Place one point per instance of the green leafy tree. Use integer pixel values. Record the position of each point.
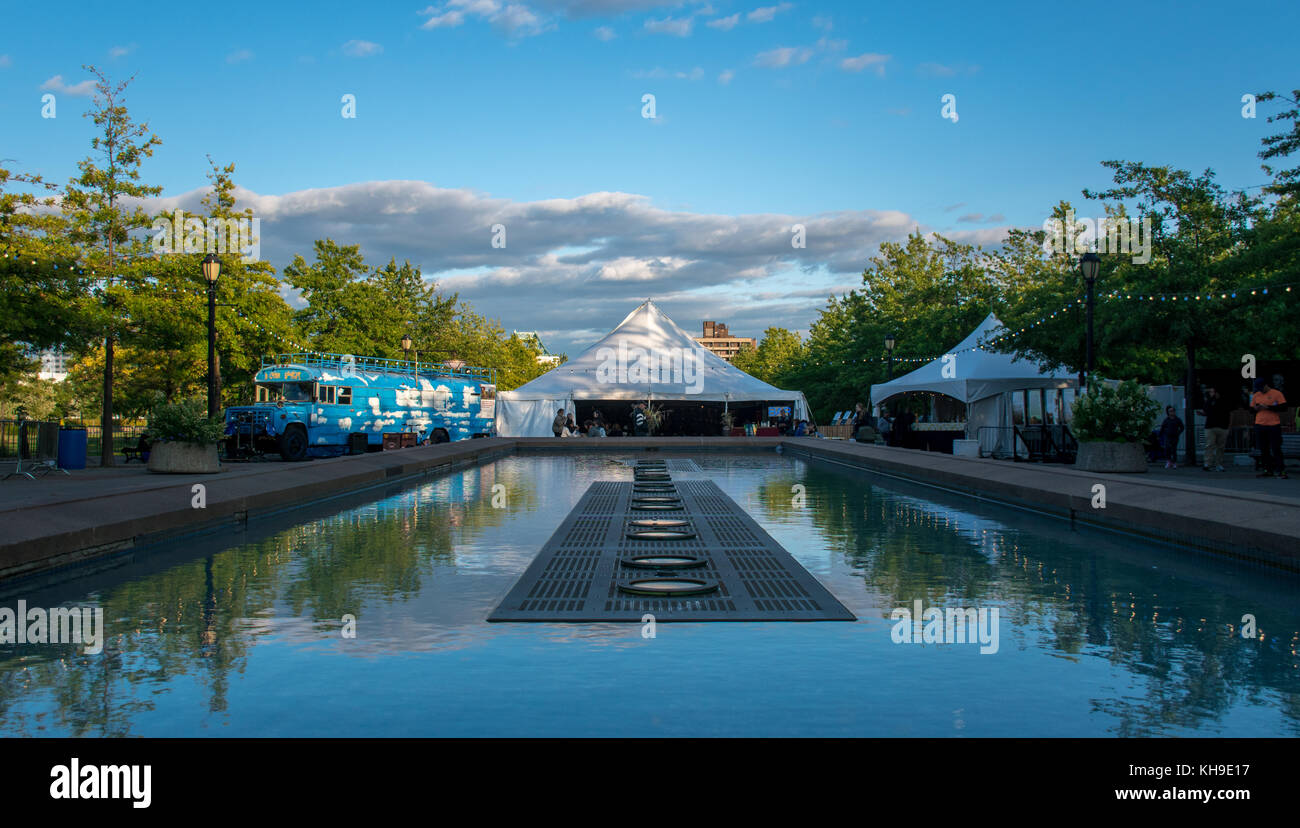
(777, 356)
(928, 291)
(39, 284)
(101, 220)
(1196, 229)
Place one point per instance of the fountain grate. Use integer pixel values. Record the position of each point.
(577, 575)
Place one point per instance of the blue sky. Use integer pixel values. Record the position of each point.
(768, 114)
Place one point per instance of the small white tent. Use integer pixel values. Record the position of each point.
(647, 357)
(981, 378)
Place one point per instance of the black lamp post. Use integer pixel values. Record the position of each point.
(406, 347)
(211, 270)
(890, 341)
(1089, 264)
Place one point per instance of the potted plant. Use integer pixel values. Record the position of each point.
(654, 415)
(184, 438)
(1110, 424)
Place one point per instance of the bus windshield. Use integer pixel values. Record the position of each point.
(286, 391)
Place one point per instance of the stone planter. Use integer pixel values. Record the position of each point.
(183, 458)
(1124, 458)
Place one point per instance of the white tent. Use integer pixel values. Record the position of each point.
(981, 378)
(647, 357)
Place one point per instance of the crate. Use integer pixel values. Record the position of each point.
(392, 442)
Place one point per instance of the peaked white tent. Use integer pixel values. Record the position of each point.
(647, 357)
(979, 377)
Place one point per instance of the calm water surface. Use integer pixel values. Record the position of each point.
(241, 634)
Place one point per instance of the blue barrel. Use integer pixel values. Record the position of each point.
(72, 448)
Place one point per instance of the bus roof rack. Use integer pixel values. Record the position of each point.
(389, 366)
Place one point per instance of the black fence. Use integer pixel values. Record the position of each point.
(123, 435)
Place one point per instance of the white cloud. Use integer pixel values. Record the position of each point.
(822, 22)
(869, 60)
(239, 56)
(55, 84)
(121, 51)
(678, 28)
(609, 246)
(574, 9)
(784, 56)
(605, 33)
(766, 13)
(512, 19)
(726, 76)
(726, 24)
(361, 48)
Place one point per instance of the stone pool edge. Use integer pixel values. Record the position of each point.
(1257, 528)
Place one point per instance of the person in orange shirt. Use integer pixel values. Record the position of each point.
(1267, 403)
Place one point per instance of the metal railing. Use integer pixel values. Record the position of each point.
(1032, 443)
(123, 436)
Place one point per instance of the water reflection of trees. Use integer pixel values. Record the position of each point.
(1179, 634)
(197, 620)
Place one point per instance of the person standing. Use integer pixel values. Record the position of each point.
(1268, 403)
(859, 418)
(1218, 415)
(557, 425)
(640, 422)
(902, 429)
(1169, 431)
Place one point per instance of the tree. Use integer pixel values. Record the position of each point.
(39, 283)
(928, 291)
(1196, 228)
(777, 355)
(102, 223)
(1286, 182)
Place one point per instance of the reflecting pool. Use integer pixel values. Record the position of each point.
(245, 634)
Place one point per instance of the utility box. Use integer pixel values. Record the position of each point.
(72, 448)
(392, 442)
(358, 443)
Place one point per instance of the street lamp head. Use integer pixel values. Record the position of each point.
(1089, 264)
(406, 342)
(211, 268)
(889, 342)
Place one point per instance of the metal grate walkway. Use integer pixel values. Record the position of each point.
(578, 573)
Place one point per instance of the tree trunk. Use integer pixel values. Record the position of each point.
(106, 456)
(1189, 406)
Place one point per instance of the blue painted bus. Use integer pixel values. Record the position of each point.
(312, 405)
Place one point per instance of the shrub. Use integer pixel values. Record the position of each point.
(186, 422)
(1114, 415)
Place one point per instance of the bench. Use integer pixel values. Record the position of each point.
(140, 451)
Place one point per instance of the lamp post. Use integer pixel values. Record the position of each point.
(1089, 264)
(406, 347)
(211, 270)
(890, 341)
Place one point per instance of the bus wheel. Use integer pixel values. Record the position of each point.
(440, 436)
(293, 443)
